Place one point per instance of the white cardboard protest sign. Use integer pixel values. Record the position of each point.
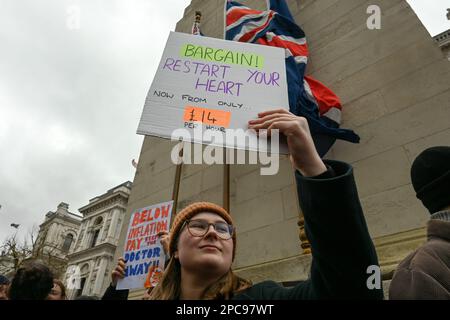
(143, 252)
(216, 84)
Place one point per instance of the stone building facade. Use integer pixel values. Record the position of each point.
(52, 243)
(92, 258)
(394, 84)
(56, 238)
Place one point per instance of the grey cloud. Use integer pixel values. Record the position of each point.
(71, 100)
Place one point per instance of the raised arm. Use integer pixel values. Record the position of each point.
(342, 249)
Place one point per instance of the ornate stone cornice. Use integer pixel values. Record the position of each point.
(118, 198)
(443, 39)
(92, 251)
(56, 217)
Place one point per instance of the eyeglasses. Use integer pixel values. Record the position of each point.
(198, 228)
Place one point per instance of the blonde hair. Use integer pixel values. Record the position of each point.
(169, 288)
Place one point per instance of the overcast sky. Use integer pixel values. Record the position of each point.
(71, 99)
(432, 13)
(72, 92)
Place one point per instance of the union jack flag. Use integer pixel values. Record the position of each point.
(307, 97)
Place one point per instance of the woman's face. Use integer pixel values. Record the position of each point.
(56, 293)
(205, 254)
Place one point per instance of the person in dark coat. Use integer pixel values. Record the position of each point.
(425, 273)
(203, 236)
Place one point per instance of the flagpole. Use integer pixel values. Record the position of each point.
(226, 181)
(226, 165)
(277, 6)
(177, 179)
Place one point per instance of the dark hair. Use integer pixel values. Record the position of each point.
(4, 280)
(32, 282)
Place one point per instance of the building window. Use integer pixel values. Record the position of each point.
(67, 242)
(97, 227)
(80, 290)
(94, 238)
(98, 221)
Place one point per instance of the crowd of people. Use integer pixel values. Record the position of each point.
(34, 281)
(201, 244)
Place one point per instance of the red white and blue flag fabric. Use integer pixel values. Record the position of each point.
(307, 97)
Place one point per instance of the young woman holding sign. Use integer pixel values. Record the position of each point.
(202, 242)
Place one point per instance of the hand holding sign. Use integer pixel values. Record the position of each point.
(164, 240)
(143, 252)
(304, 156)
(118, 272)
(213, 86)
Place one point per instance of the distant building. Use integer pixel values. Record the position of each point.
(91, 259)
(443, 40)
(56, 238)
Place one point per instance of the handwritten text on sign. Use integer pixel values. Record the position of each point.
(208, 116)
(215, 83)
(142, 250)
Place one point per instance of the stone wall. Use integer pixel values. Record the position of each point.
(394, 84)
